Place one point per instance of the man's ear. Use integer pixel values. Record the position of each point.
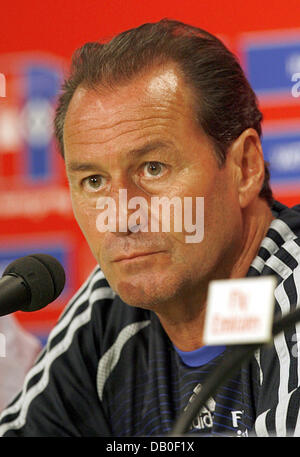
(247, 159)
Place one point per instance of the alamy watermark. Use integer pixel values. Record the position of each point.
(115, 218)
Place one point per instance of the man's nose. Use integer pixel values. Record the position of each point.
(132, 210)
(129, 208)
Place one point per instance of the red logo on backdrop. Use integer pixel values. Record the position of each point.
(28, 153)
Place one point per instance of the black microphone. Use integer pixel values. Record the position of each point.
(238, 355)
(30, 283)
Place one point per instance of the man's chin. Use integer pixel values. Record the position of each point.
(143, 296)
(149, 289)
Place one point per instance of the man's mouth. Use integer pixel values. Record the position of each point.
(135, 255)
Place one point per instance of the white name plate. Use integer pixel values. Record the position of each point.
(240, 311)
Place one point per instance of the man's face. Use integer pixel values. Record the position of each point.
(143, 138)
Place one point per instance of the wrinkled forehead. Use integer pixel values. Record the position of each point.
(154, 107)
(160, 87)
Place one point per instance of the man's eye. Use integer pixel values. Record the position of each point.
(93, 183)
(153, 169)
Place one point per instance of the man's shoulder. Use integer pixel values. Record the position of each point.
(285, 232)
(279, 252)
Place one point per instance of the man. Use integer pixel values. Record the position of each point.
(163, 110)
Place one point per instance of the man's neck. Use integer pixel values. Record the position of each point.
(257, 220)
(186, 331)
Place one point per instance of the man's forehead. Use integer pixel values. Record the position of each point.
(158, 86)
(155, 106)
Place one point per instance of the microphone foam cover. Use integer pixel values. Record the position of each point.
(43, 275)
